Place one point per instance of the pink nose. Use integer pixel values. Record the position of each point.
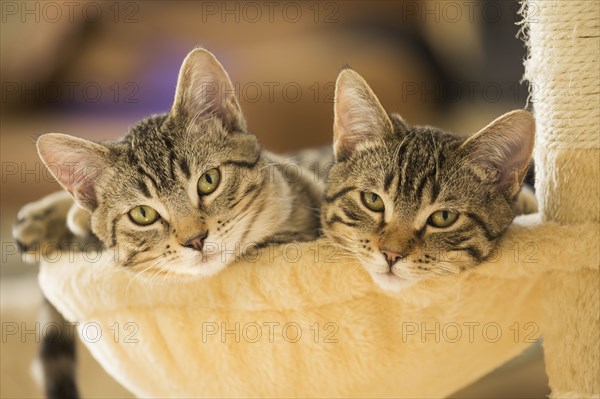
(196, 242)
(392, 257)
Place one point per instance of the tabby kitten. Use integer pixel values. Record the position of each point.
(184, 193)
(416, 202)
(181, 193)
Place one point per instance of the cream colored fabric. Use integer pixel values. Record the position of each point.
(379, 348)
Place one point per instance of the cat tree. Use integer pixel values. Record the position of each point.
(563, 68)
(286, 325)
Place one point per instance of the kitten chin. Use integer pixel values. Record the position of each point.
(391, 282)
(197, 266)
(203, 265)
(183, 266)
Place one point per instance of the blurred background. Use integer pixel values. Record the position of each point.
(92, 69)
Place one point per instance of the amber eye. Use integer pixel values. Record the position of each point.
(442, 218)
(209, 182)
(143, 215)
(372, 201)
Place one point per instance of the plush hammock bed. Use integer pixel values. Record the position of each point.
(311, 326)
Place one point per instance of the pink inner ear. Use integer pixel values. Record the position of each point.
(204, 89)
(359, 117)
(83, 179)
(506, 145)
(510, 173)
(515, 164)
(76, 164)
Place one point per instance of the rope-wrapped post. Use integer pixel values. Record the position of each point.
(563, 70)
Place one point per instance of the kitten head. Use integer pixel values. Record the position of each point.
(183, 192)
(415, 202)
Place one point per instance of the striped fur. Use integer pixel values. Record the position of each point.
(417, 170)
(158, 164)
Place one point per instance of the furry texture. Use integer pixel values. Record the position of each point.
(378, 352)
(393, 187)
(160, 166)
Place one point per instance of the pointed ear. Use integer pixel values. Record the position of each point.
(204, 89)
(76, 164)
(503, 149)
(359, 117)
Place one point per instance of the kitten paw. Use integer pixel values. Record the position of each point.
(526, 202)
(42, 225)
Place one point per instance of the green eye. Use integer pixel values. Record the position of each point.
(209, 182)
(442, 218)
(372, 201)
(143, 215)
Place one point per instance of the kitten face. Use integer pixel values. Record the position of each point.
(182, 193)
(164, 175)
(412, 203)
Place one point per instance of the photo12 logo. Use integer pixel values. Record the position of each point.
(325, 12)
(70, 92)
(70, 11)
(468, 331)
(269, 332)
(89, 332)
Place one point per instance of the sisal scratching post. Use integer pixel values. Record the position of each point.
(563, 69)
